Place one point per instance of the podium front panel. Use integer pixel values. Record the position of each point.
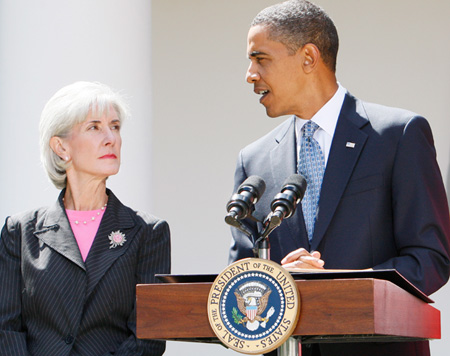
(330, 310)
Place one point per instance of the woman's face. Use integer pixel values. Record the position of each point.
(93, 146)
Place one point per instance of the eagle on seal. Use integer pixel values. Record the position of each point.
(252, 307)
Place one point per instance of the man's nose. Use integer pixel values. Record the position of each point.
(252, 75)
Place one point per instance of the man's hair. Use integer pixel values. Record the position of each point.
(296, 23)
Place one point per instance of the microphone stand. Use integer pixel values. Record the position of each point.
(282, 207)
(262, 249)
(262, 245)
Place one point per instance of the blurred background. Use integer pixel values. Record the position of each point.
(181, 64)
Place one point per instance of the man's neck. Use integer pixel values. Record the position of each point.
(318, 95)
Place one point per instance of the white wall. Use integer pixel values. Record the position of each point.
(191, 106)
(47, 44)
(392, 52)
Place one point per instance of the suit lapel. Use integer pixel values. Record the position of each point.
(117, 219)
(348, 142)
(283, 157)
(55, 231)
(284, 163)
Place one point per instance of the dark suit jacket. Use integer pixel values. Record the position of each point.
(53, 303)
(382, 203)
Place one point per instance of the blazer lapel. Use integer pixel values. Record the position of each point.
(348, 142)
(284, 163)
(116, 220)
(55, 231)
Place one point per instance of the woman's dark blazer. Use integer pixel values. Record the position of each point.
(53, 303)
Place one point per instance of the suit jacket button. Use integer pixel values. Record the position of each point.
(69, 339)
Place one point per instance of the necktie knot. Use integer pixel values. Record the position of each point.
(309, 129)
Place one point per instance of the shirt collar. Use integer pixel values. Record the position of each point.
(328, 114)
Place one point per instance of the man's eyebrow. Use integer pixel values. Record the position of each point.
(255, 54)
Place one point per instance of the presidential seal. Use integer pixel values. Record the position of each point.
(253, 306)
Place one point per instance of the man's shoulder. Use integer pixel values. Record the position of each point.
(384, 116)
(272, 138)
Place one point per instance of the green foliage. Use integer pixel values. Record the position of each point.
(236, 316)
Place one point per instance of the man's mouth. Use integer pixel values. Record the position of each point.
(263, 94)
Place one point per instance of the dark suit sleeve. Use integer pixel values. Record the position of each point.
(12, 333)
(420, 211)
(154, 258)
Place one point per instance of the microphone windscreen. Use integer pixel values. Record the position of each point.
(257, 183)
(298, 181)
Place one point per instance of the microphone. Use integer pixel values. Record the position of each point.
(292, 192)
(242, 203)
(285, 203)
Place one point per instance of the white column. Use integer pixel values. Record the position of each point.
(47, 44)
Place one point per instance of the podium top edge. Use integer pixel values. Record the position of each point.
(390, 275)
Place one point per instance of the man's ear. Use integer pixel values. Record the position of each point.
(57, 145)
(310, 55)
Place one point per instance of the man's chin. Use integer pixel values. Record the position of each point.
(272, 114)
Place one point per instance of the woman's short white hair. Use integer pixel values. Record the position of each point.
(68, 107)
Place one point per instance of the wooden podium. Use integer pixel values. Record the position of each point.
(332, 310)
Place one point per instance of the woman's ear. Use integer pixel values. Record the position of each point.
(57, 145)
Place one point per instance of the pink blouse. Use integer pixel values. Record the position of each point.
(84, 225)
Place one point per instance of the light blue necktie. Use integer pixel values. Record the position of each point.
(312, 166)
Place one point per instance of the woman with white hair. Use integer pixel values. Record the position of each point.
(68, 272)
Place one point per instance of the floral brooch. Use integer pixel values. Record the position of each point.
(116, 238)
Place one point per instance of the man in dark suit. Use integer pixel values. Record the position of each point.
(382, 203)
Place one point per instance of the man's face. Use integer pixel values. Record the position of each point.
(274, 73)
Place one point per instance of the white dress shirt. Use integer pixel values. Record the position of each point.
(326, 118)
